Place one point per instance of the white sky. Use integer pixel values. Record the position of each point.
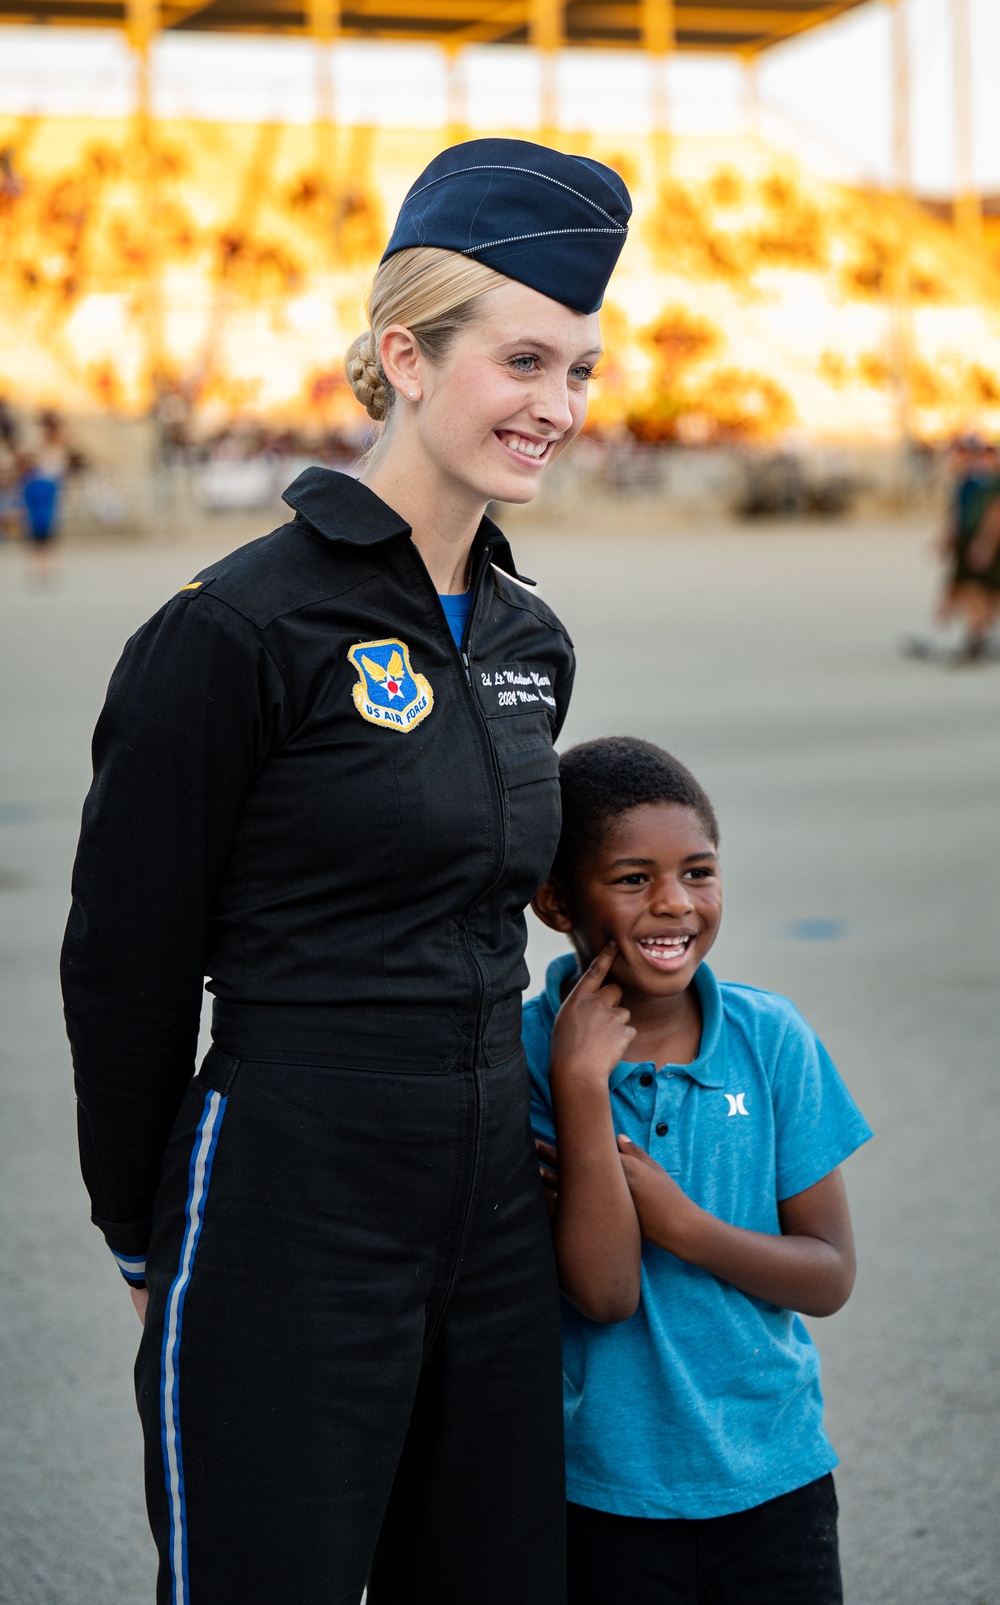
(830, 93)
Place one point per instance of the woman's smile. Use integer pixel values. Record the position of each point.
(531, 451)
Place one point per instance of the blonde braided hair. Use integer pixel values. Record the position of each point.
(365, 376)
(429, 291)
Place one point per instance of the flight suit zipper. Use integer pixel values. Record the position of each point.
(477, 589)
(477, 1052)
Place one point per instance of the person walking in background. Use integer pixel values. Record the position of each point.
(691, 1132)
(966, 609)
(325, 778)
(982, 568)
(44, 468)
(11, 500)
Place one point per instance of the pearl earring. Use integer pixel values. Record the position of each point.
(411, 394)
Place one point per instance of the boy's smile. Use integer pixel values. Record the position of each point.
(654, 887)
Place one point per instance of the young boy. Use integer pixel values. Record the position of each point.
(690, 1132)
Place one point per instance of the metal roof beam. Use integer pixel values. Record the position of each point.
(697, 24)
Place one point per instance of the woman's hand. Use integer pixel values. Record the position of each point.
(140, 1298)
(548, 1165)
(592, 1030)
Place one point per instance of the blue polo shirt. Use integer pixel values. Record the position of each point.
(707, 1401)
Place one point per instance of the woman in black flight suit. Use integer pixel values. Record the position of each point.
(332, 792)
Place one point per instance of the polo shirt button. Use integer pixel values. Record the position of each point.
(662, 1129)
(645, 1080)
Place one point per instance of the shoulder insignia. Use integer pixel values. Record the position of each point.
(195, 585)
(387, 691)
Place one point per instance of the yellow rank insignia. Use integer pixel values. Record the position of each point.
(388, 692)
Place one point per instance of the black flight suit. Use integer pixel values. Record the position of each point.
(303, 790)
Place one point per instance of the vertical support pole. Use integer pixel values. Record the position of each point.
(968, 208)
(901, 317)
(455, 94)
(659, 39)
(324, 25)
(545, 31)
(902, 144)
(142, 21)
(751, 95)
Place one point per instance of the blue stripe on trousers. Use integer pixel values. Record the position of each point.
(199, 1176)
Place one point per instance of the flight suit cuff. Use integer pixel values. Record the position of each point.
(127, 1241)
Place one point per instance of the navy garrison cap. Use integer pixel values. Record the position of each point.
(556, 223)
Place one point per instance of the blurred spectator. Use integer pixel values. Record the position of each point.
(11, 506)
(982, 567)
(172, 411)
(246, 468)
(8, 428)
(44, 467)
(967, 608)
(11, 185)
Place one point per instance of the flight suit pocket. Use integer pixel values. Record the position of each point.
(218, 1071)
(524, 762)
(529, 766)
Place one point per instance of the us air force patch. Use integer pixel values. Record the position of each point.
(388, 692)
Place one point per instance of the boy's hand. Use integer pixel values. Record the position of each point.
(592, 1030)
(808, 1267)
(665, 1212)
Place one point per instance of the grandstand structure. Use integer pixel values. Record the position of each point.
(657, 29)
(746, 26)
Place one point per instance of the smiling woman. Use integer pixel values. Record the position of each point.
(325, 778)
(480, 396)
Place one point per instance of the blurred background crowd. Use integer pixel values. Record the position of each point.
(806, 315)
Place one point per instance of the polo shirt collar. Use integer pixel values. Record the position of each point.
(709, 1067)
(342, 509)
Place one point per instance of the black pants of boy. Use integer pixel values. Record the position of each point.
(783, 1552)
(350, 1370)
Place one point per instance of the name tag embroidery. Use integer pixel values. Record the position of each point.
(517, 687)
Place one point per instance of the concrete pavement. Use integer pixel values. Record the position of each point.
(859, 797)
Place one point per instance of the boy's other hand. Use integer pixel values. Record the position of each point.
(664, 1210)
(592, 1030)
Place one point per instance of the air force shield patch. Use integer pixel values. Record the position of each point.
(388, 692)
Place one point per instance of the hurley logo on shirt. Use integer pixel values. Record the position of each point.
(388, 692)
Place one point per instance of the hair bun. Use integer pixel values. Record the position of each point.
(365, 376)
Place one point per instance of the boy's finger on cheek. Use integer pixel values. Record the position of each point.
(601, 964)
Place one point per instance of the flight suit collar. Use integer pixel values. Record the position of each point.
(343, 509)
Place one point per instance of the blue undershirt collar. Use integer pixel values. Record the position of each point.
(456, 611)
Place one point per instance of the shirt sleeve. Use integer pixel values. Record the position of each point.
(192, 710)
(564, 689)
(817, 1123)
(536, 1051)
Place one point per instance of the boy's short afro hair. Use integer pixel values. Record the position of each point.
(601, 780)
